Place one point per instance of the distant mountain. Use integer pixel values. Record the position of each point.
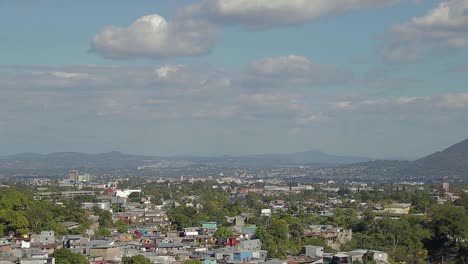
(311, 157)
(118, 160)
(452, 161)
(74, 160)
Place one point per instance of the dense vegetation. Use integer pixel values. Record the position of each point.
(438, 231)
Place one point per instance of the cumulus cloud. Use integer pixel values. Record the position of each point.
(195, 29)
(442, 30)
(261, 14)
(152, 36)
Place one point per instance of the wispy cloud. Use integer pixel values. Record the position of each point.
(264, 14)
(443, 30)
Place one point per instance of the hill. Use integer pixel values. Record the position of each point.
(450, 161)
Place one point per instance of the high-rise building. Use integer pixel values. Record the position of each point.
(445, 185)
(73, 175)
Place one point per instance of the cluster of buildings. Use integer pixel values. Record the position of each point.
(165, 249)
(150, 231)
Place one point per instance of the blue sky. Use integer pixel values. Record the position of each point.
(356, 77)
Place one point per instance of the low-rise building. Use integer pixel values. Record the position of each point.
(398, 208)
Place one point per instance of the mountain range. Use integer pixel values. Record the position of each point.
(120, 160)
(450, 161)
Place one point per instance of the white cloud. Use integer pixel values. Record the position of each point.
(419, 105)
(166, 71)
(166, 104)
(194, 31)
(342, 105)
(454, 101)
(293, 71)
(260, 14)
(442, 30)
(152, 36)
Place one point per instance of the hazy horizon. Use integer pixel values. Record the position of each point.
(217, 154)
(364, 78)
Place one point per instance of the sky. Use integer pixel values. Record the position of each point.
(380, 79)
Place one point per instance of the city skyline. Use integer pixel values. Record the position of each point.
(232, 77)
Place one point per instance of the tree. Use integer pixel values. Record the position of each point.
(192, 261)
(296, 230)
(138, 259)
(223, 232)
(39, 216)
(268, 242)
(183, 216)
(105, 217)
(449, 222)
(65, 256)
(368, 258)
(121, 226)
(102, 232)
(279, 229)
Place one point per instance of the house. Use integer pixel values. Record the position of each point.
(107, 252)
(209, 227)
(210, 261)
(312, 251)
(73, 242)
(242, 255)
(335, 236)
(228, 242)
(355, 256)
(5, 245)
(169, 247)
(46, 237)
(224, 254)
(398, 208)
(191, 232)
(159, 259)
(71, 225)
(252, 245)
(45, 260)
(102, 206)
(125, 237)
(325, 213)
(340, 258)
(25, 243)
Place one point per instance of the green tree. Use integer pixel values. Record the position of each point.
(105, 217)
(102, 232)
(39, 216)
(368, 258)
(296, 231)
(138, 259)
(223, 232)
(192, 261)
(279, 229)
(449, 222)
(121, 226)
(65, 256)
(268, 242)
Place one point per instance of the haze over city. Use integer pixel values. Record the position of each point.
(355, 77)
